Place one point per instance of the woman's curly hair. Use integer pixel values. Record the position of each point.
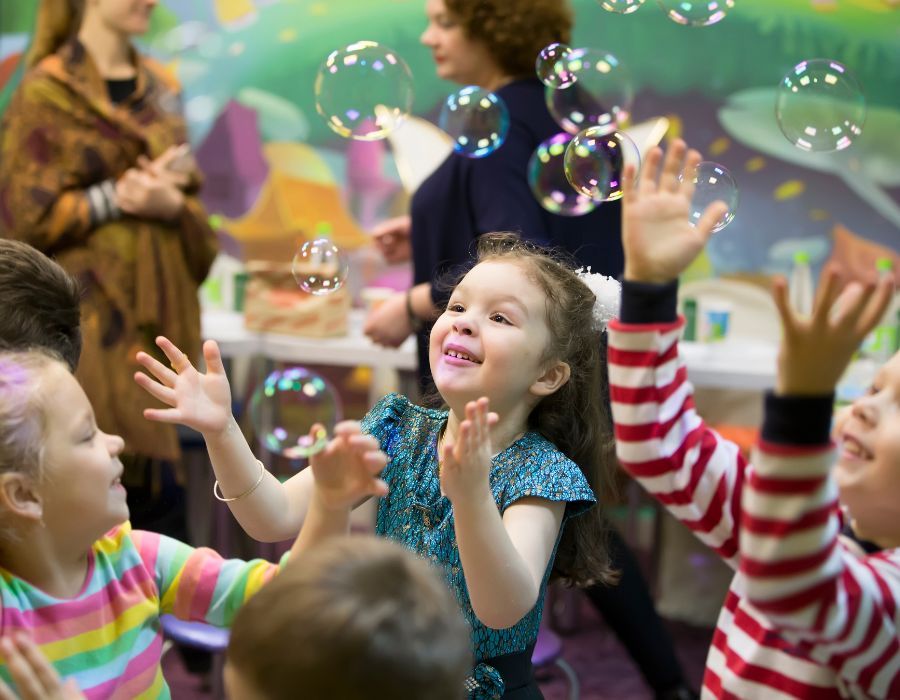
(514, 31)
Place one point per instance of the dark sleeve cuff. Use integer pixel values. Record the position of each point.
(645, 302)
(798, 420)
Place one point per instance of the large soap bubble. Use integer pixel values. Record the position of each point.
(713, 182)
(595, 161)
(285, 407)
(697, 13)
(552, 67)
(363, 91)
(547, 178)
(820, 107)
(319, 267)
(476, 119)
(601, 94)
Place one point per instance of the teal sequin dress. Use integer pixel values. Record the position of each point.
(416, 514)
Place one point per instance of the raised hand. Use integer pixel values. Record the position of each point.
(391, 238)
(33, 675)
(466, 464)
(657, 235)
(346, 471)
(816, 350)
(199, 401)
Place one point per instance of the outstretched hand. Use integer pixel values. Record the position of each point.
(657, 235)
(346, 471)
(199, 401)
(816, 350)
(466, 464)
(33, 675)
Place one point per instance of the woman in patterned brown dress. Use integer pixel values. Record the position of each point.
(93, 172)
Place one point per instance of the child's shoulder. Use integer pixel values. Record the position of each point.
(396, 408)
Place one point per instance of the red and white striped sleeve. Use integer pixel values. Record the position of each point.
(834, 602)
(663, 442)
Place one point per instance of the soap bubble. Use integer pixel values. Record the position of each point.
(820, 107)
(595, 161)
(600, 96)
(622, 7)
(319, 267)
(713, 183)
(284, 408)
(363, 91)
(547, 178)
(477, 121)
(552, 67)
(697, 13)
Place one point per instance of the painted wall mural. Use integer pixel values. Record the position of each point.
(248, 68)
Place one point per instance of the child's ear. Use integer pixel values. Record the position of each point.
(19, 495)
(552, 379)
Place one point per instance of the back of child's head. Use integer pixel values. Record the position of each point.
(40, 303)
(24, 391)
(357, 617)
(577, 416)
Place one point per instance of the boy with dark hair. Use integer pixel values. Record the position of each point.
(40, 303)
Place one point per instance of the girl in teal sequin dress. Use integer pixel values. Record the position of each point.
(497, 489)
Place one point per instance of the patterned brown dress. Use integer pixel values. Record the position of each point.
(60, 136)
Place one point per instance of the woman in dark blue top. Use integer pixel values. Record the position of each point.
(494, 44)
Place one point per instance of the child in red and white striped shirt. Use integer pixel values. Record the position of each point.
(808, 615)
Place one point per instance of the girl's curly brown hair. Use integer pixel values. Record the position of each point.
(514, 31)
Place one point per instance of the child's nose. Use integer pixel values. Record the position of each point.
(464, 325)
(427, 38)
(115, 445)
(865, 410)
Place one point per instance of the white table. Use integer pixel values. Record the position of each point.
(352, 350)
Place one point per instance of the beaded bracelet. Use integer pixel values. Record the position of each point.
(217, 492)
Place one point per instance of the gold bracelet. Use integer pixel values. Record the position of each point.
(217, 492)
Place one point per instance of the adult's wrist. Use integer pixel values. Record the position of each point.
(414, 321)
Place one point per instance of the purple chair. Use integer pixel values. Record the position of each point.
(547, 653)
(199, 635)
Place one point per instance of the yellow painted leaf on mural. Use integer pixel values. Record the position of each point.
(755, 164)
(700, 269)
(234, 12)
(789, 190)
(719, 146)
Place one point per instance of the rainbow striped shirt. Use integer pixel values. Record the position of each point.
(108, 636)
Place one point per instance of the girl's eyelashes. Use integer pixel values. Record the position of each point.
(500, 318)
(455, 306)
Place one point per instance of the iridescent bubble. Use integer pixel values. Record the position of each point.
(547, 178)
(363, 91)
(319, 267)
(600, 96)
(622, 7)
(477, 121)
(820, 107)
(284, 408)
(596, 159)
(552, 68)
(696, 13)
(713, 183)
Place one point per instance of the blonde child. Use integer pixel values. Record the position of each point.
(808, 615)
(74, 576)
(485, 494)
(360, 618)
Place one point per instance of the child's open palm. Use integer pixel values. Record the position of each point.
(657, 235)
(816, 350)
(466, 464)
(346, 471)
(199, 401)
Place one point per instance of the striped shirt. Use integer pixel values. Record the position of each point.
(108, 636)
(807, 615)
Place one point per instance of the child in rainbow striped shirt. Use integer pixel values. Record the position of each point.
(75, 577)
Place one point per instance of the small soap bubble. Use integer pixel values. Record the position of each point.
(601, 94)
(713, 183)
(595, 161)
(285, 407)
(622, 7)
(363, 91)
(547, 178)
(552, 67)
(476, 119)
(696, 13)
(819, 106)
(319, 267)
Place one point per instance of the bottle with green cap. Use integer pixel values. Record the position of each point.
(800, 285)
(882, 342)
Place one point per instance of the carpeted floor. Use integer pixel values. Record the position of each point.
(604, 669)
